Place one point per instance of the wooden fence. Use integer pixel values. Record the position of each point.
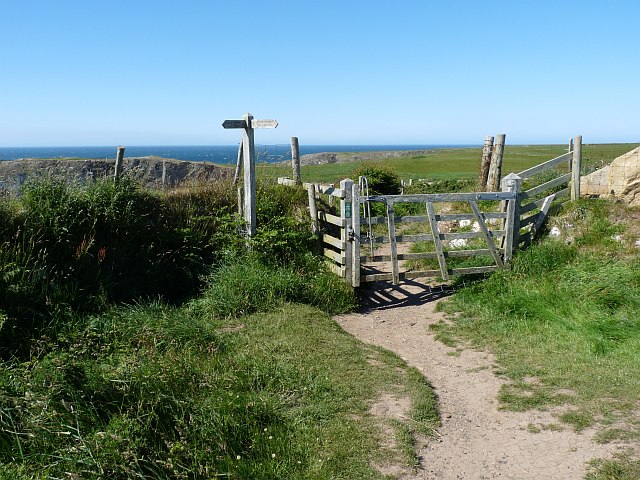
(504, 221)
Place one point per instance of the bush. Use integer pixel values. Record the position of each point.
(382, 179)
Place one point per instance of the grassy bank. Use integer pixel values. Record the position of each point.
(139, 340)
(454, 163)
(564, 326)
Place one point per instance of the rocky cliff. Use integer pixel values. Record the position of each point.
(148, 171)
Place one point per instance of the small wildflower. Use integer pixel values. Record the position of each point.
(270, 437)
(237, 457)
(273, 455)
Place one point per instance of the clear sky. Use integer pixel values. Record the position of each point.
(140, 72)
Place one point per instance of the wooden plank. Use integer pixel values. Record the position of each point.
(418, 256)
(472, 270)
(313, 213)
(264, 123)
(436, 240)
(394, 247)
(543, 167)
(333, 241)
(234, 124)
(338, 270)
(543, 213)
(546, 186)
(486, 233)
(538, 203)
(333, 255)
(332, 219)
(439, 197)
(525, 222)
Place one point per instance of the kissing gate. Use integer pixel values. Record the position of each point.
(457, 233)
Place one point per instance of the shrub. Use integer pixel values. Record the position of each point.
(382, 179)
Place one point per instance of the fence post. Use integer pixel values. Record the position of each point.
(576, 161)
(495, 170)
(485, 162)
(511, 183)
(570, 161)
(119, 160)
(346, 231)
(295, 160)
(313, 213)
(355, 226)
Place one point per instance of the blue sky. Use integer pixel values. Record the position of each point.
(331, 72)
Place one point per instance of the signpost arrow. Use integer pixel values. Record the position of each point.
(234, 124)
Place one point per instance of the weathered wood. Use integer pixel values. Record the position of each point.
(393, 245)
(263, 123)
(485, 162)
(377, 277)
(495, 170)
(236, 174)
(164, 174)
(332, 219)
(119, 161)
(419, 256)
(240, 203)
(346, 205)
(337, 269)
(512, 183)
(436, 240)
(542, 216)
(355, 234)
(473, 270)
(538, 203)
(485, 232)
(249, 166)
(546, 186)
(313, 212)
(570, 151)
(576, 163)
(543, 167)
(335, 256)
(295, 160)
(438, 197)
(234, 124)
(333, 241)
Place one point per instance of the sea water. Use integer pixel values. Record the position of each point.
(206, 153)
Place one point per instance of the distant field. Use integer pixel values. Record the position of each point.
(454, 162)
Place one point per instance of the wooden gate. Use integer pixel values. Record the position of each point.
(448, 224)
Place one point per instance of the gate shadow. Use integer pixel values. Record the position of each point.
(384, 295)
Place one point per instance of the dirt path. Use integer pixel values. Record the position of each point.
(476, 440)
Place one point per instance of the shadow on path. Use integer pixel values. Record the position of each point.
(385, 295)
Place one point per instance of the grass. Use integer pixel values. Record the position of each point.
(566, 315)
(166, 392)
(452, 163)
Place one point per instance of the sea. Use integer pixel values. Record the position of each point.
(220, 154)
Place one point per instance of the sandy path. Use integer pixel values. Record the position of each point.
(477, 441)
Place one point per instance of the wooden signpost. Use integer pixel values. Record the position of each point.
(248, 124)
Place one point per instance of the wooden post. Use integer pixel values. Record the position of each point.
(240, 209)
(236, 174)
(119, 160)
(313, 212)
(346, 214)
(576, 163)
(485, 163)
(570, 150)
(495, 170)
(249, 166)
(511, 225)
(164, 174)
(355, 226)
(295, 160)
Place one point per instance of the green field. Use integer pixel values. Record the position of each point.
(449, 163)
